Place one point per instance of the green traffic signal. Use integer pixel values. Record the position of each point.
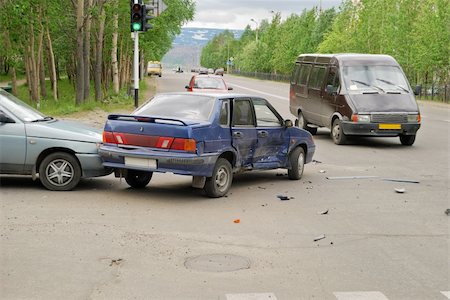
(136, 26)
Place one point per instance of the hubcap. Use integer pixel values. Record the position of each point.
(222, 178)
(301, 121)
(336, 132)
(301, 162)
(59, 172)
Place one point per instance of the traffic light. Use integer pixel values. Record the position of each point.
(136, 17)
(147, 15)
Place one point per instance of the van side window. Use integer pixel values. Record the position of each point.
(333, 79)
(295, 73)
(317, 77)
(304, 73)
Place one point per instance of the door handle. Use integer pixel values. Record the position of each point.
(263, 133)
(237, 134)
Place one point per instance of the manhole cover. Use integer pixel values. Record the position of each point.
(217, 263)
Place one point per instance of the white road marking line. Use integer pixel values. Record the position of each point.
(260, 92)
(251, 296)
(446, 294)
(360, 296)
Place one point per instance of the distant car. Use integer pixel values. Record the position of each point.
(219, 72)
(154, 68)
(203, 71)
(210, 71)
(208, 84)
(207, 136)
(60, 152)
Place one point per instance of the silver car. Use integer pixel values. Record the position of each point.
(60, 152)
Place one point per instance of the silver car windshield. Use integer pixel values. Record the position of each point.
(190, 107)
(381, 79)
(19, 108)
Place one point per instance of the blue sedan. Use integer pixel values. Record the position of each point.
(207, 136)
(32, 143)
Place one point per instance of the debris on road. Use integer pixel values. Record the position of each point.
(237, 221)
(320, 237)
(316, 161)
(447, 211)
(322, 171)
(261, 187)
(283, 198)
(325, 212)
(400, 190)
(350, 177)
(280, 174)
(401, 180)
(115, 262)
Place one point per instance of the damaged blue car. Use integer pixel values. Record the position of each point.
(207, 136)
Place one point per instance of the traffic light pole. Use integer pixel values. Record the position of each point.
(136, 68)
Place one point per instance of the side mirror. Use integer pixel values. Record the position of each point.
(331, 90)
(288, 123)
(418, 90)
(5, 119)
(230, 88)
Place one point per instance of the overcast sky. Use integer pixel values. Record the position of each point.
(236, 14)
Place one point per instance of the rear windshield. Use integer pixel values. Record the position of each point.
(154, 66)
(190, 107)
(209, 83)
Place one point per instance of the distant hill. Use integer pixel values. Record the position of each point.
(187, 46)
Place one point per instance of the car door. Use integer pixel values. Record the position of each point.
(13, 145)
(243, 131)
(315, 85)
(330, 95)
(271, 148)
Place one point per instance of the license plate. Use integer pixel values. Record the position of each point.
(389, 126)
(147, 163)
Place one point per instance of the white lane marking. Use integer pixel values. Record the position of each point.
(446, 294)
(264, 93)
(360, 296)
(251, 296)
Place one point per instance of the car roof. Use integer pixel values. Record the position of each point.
(212, 95)
(207, 76)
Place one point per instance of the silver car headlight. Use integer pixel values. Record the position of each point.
(414, 118)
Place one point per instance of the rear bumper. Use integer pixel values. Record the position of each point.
(373, 129)
(173, 162)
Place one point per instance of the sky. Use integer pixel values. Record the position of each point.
(237, 14)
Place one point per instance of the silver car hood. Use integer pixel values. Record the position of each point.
(64, 130)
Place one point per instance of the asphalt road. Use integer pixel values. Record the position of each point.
(106, 241)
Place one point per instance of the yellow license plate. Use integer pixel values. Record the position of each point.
(389, 126)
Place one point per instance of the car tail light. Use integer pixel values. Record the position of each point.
(108, 137)
(188, 145)
(164, 142)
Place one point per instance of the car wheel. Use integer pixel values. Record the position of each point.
(138, 179)
(220, 182)
(337, 133)
(59, 171)
(407, 140)
(297, 162)
(301, 123)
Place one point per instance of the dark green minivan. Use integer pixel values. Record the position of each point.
(354, 95)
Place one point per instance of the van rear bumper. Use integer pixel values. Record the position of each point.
(373, 129)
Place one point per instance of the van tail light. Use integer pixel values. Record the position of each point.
(291, 94)
(188, 145)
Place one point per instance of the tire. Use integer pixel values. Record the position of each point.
(297, 162)
(138, 179)
(220, 182)
(407, 140)
(301, 123)
(59, 171)
(337, 133)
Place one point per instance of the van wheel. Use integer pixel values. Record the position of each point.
(220, 182)
(337, 133)
(138, 179)
(407, 140)
(297, 162)
(301, 123)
